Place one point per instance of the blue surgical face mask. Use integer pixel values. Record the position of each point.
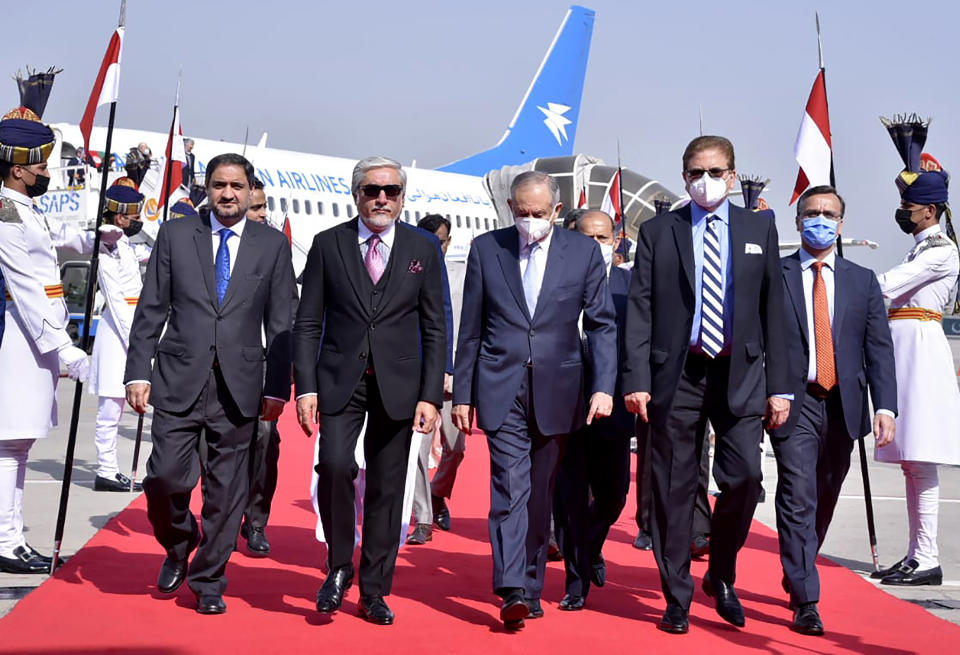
(819, 232)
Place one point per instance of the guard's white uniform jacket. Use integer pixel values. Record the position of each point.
(928, 399)
(36, 321)
(118, 276)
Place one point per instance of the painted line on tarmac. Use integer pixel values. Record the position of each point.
(898, 498)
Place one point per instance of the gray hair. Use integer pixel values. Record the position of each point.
(536, 177)
(369, 163)
(190, 141)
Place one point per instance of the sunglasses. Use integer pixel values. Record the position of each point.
(716, 172)
(390, 190)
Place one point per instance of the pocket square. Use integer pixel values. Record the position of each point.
(415, 266)
(752, 249)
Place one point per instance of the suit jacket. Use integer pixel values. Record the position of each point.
(400, 322)
(498, 336)
(863, 348)
(189, 170)
(180, 293)
(662, 303)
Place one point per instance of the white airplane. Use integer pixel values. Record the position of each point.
(313, 191)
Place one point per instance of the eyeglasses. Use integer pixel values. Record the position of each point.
(697, 173)
(373, 190)
(813, 213)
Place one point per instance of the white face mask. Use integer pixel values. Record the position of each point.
(533, 229)
(707, 191)
(607, 251)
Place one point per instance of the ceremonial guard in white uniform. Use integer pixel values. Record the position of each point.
(35, 342)
(118, 277)
(928, 426)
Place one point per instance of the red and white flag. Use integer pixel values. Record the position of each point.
(107, 87)
(175, 156)
(287, 231)
(813, 149)
(611, 201)
(583, 199)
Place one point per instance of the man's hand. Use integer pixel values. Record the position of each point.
(462, 416)
(447, 386)
(778, 409)
(425, 417)
(307, 413)
(601, 406)
(270, 409)
(884, 428)
(637, 403)
(138, 396)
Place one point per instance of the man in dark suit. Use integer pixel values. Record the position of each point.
(215, 283)
(520, 363)
(596, 463)
(189, 166)
(372, 307)
(839, 345)
(704, 341)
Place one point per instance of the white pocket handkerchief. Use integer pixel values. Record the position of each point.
(752, 249)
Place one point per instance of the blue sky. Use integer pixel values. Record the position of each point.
(434, 81)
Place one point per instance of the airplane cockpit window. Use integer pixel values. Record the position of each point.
(271, 203)
(296, 206)
(283, 205)
(308, 207)
(350, 211)
(336, 210)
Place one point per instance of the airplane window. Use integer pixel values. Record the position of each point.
(336, 209)
(458, 221)
(350, 210)
(283, 205)
(406, 215)
(296, 206)
(495, 223)
(307, 205)
(319, 207)
(468, 220)
(417, 214)
(486, 223)
(271, 205)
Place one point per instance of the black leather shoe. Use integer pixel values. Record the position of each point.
(674, 620)
(211, 605)
(120, 482)
(571, 603)
(441, 515)
(173, 572)
(420, 535)
(330, 596)
(514, 610)
(806, 620)
(727, 604)
(699, 546)
(598, 571)
(909, 565)
(257, 543)
(25, 560)
(536, 609)
(915, 578)
(643, 541)
(373, 609)
(554, 554)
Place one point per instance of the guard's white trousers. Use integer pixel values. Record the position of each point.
(109, 413)
(13, 472)
(923, 505)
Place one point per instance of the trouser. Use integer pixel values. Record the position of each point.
(923, 500)
(109, 413)
(701, 395)
(173, 468)
(596, 463)
(701, 506)
(523, 467)
(454, 444)
(13, 472)
(386, 445)
(264, 457)
(812, 462)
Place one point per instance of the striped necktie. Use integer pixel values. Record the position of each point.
(711, 292)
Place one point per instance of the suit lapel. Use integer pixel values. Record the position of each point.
(737, 243)
(553, 271)
(683, 235)
(247, 253)
(793, 279)
(839, 297)
(203, 239)
(394, 270)
(349, 248)
(509, 257)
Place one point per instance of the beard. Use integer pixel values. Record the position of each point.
(231, 211)
(377, 221)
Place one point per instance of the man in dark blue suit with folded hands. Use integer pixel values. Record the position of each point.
(520, 363)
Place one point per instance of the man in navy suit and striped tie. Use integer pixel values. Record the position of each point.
(705, 341)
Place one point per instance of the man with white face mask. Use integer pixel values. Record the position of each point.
(596, 463)
(704, 341)
(521, 365)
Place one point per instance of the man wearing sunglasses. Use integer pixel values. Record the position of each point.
(704, 335)
(372, 307)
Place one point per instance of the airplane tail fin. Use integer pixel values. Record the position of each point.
(546, 121)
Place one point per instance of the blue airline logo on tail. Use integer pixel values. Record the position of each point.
(545, 124)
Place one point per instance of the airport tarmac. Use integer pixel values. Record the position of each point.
(846, 543)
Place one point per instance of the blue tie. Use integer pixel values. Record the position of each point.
(711, 292)
(530, 289)
(222, 265)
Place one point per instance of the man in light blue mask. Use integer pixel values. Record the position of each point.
(839, 346)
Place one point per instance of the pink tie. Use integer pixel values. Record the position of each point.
(374, 260)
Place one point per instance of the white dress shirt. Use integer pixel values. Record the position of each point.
(386, 239)
(540, 256)
(806, 265)
(233, 243)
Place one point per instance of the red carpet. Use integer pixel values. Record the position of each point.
(104, 601)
